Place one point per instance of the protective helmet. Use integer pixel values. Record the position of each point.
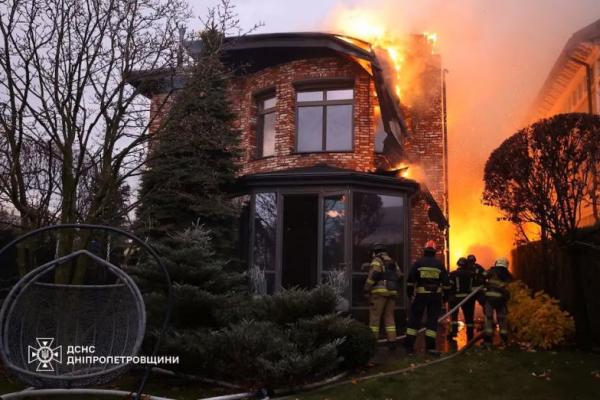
(461, 262)
(430, 245)
(471, 258)
(378, 248)
(501, 262)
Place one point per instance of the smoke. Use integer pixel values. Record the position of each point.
(498, 54)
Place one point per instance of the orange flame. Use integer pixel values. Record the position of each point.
(364, 25)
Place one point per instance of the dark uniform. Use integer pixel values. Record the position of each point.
(462, 281)
(479, 277)
(382, 287)
(496, 297)
(427, 281)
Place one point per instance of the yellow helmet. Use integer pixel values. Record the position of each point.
(501, 262)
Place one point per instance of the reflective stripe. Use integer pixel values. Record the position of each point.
(375, 329)
(459, 294)
(489, 331)
(503, 331)
(421, 289)
(411, 332)
(430, 333)
(379, 290)
(390, 328)
(410, 284)
(429, 269)
(493, 294)
(370, 281)
(470, 325)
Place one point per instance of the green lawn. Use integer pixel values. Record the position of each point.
(475, 375)
(484, 375)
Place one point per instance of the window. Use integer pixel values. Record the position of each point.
(266, 126)
(324, 120)
(264, 229)
(377, 218)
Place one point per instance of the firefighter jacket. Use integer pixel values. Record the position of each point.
(384, 276)
(479, 271)
(427, 276)
(496, 280)
(462, 281)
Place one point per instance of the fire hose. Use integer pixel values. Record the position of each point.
(447, 314)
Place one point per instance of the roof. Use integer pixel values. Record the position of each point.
(325, 174)
(578, 47)
(253, 52)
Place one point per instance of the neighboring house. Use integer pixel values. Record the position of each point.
(573, 85)
(323, 135)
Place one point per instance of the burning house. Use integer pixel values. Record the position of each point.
(333, 160)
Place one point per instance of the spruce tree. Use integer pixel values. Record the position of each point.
(185, 208)
(192, 166)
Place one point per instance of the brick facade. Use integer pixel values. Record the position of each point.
(424, 117)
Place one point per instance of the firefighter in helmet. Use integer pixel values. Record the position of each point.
(381, 288)
(479, 276)
(427, 283)
(496, 297)
(462, 281)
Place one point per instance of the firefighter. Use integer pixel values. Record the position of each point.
(496, 297)
(381, 288)
(479, 277)
(462, 281)
(427, 283)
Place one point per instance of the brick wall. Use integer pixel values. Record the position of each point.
(425, 144)
(281, 78)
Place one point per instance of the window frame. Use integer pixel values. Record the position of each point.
(323, 87)
(261, 112)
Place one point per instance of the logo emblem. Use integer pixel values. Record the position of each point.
(44, 354)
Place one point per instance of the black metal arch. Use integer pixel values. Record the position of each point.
(137, 240)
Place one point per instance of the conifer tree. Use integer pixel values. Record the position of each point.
(192, 167)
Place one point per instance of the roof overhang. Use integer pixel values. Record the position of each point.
(322, 175)
(577, 49)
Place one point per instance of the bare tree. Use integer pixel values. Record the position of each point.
(72, 131)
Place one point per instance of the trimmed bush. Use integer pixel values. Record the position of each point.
(537, 320)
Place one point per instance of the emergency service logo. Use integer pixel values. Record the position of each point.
(44, 354)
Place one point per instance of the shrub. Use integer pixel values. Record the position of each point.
(289, 306)
(537, 320)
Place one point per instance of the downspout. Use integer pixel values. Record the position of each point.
(446, 185)
(589, 77)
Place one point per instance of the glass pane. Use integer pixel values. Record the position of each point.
(380, 136)
(339, 128)
(310, 96)
(310, 129)
(358, 283)
(268, 135)
(334, 221)
(265, 220)
(344, 94)
(269, 103)
(377, 219)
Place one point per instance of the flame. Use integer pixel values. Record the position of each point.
(366, 26)
(403, 170)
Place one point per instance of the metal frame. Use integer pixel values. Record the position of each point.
(323, 86)
(146, 246)
(261, 112)
(323, 191)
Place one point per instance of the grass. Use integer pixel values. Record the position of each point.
(486, 375)
(477, 374)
